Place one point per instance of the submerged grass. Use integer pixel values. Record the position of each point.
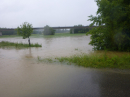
(100, 60)
(45, 59)
(11, 44)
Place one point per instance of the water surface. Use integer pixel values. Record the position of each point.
(22, 75)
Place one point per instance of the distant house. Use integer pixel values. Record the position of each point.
(0, 33)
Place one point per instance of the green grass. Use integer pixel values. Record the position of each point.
(11, 44)
(99, 60)
(57, 35)
(45, 36)
(9, 36)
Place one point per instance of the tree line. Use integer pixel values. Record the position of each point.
(61, 30)
(12, 32)
(79, 30)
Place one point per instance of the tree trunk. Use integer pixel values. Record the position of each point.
(29, 41)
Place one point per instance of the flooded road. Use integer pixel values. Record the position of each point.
(21, 75)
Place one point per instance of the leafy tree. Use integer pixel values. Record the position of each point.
(113, 21)
(48, 30)
(25, 30)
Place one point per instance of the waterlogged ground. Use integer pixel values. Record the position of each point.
(22, 75)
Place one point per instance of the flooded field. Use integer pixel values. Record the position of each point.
(21, 75)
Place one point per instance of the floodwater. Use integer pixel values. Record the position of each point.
(22, 75)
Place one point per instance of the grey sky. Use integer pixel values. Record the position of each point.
(46, 12)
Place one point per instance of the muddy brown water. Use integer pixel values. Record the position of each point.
(21, 75)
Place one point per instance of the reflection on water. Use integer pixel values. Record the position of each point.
(21, 75)
(29, 55)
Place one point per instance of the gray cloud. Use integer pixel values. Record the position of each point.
(46, 12)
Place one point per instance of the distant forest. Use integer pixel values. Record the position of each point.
(13, 32)
(62, 30)
(79, 30)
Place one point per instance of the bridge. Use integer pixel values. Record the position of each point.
(64, 27)
(67, 27)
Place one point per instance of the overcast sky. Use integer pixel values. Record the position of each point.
(46, 12)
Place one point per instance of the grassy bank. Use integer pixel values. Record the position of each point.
(57, 35)
(45, 36)
(11, 44)
(9, 36)
(100, 60)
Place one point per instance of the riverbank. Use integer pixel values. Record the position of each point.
(45, 36)
(57, 35)
(120, 60)
(99, 59)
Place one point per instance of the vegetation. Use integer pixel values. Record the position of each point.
(48, 30)
(6, 32)
(79, 30)
(38, 31)
(62, 30)
(60, 35)
(11, 44)
(113, 21)
(45, 60)
(25, 30)
(46, 36)
(100, 60)
(9, 36)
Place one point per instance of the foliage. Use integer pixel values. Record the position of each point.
(37, 32)
(8, 32)
(48, 30)
(46, 36)
(9, 36)
(25, 30)
(113, 21)
(79, 30)
(102, 60)
(61, 30)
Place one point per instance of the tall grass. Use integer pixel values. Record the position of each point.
(100, 60)
(10, 44)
